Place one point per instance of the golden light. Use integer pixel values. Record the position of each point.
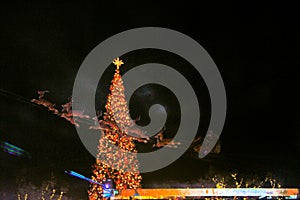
(118, 62)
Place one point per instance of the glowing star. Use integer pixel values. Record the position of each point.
(118, 62)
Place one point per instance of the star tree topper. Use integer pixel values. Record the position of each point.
(118, 62)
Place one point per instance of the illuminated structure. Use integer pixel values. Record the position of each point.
(115, 124)
(212, 193)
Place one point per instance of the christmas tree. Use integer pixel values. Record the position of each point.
(120, 166)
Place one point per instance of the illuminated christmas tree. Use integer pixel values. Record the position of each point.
(119, 166)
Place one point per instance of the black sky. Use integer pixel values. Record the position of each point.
(255, 46)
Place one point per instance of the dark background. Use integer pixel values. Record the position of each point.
(254, 45)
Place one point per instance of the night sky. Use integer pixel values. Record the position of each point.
(255, 47)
